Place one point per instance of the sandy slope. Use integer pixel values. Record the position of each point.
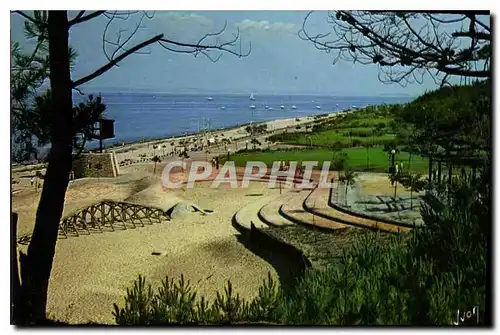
(90, 273)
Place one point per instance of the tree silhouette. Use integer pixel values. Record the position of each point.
(348, 178)
(54, 27)
(155, 160)
(31, 111)
(413, 183)
(255, 142)
(396, 178)
(408, 45)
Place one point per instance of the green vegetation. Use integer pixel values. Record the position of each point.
(256, 128)
(334, 138)
(348, 178)
(358, 159)
(370, 126)
(453, 123)
(155, 160)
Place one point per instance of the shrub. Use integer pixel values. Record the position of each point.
(339, 161)
(357, 142)
(176, 303)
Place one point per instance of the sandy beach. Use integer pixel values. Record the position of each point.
(237, 135)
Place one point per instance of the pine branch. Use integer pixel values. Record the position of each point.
(29, 18)
(80, 19)
(115, 61)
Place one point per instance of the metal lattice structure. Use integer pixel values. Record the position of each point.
(106, 216)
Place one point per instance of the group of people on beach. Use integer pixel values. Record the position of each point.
(35, 180)
(215, 162)
(285, 166)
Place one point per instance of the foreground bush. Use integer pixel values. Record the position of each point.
(176, 303)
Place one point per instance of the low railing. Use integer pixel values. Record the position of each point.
(104, 216)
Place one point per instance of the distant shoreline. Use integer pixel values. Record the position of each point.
(148, 141)
(215, 94)
(139, 144)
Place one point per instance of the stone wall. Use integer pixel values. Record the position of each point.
(96, 165)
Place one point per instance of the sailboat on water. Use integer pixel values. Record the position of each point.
(252, 97)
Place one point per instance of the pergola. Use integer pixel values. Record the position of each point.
(474, 159)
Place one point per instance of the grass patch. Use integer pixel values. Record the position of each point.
(372, 125)
(360, 159)
(326, 138)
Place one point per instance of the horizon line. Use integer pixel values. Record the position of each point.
(204, 92)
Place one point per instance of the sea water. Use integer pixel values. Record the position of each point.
(151, 115)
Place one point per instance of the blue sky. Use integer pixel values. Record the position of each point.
(280, 62)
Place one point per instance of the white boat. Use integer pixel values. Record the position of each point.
(209, 98)
(294, 107)
(267, 107)
(318, 107)
(252, 97)
(270, 108)
(252, 107)
(223, 108)
(282, 107)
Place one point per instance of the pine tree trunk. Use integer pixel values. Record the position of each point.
(37, 264)
(411, 198)
(346, 195)
(14, 271)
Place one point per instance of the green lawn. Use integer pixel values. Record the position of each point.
(377, 161)
(328, 137)
(370, 121)
(339, 130)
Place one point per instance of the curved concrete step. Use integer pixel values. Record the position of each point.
(318, 203)
(247, 215)
(293, 210)
(269, 213)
